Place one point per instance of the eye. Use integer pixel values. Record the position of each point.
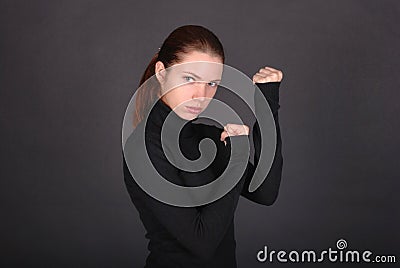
(213, 84)
(188, 79)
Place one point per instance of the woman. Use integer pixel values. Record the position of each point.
(201, 236)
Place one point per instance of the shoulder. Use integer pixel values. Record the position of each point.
(135, 137)
(208, 127)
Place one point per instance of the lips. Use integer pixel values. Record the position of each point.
(193, 110)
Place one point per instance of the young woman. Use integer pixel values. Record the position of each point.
(201, 236)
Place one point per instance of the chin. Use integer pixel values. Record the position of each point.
(191, 117)
(188, 116)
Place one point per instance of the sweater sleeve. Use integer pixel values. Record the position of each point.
(198, 230)
(267, 192)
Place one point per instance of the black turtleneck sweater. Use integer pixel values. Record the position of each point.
(201, 236)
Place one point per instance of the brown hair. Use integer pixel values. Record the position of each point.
(183, 39)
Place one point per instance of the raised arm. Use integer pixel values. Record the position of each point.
(267, 192)
(198, 230)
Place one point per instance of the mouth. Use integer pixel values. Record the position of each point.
(193, 110)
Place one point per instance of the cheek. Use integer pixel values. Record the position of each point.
(211, 92)
(181, 95)
(184, 92)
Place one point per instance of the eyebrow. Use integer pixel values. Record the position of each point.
(198, 77)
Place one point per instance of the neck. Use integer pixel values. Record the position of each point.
(163, 117)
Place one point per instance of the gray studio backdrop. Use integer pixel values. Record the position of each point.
(69, 68)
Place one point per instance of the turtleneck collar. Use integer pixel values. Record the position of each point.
(160, 111)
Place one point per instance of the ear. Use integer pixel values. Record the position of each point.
(159, 70)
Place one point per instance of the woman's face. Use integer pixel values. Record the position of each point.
(189, 86)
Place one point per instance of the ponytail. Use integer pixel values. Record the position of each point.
(146, 94)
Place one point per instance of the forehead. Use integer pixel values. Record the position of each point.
(201, 65)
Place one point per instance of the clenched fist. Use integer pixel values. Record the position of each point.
(267, 74)
(234, 130)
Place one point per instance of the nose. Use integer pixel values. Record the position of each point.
(200, 91)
